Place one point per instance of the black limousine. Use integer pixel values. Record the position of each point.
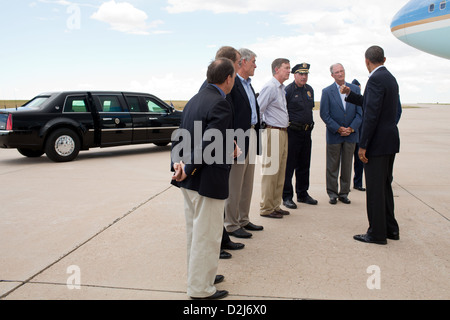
(60, 124)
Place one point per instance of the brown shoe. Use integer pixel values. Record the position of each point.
(283, 212)
(275, 215)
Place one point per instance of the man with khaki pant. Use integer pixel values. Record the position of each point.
(204, 184)
(246, 124)
(273, 106)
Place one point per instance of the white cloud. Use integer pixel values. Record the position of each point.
(60, 2)
(246, 6)
(325, 32)
(170, 86)
(318, 32)
(216, 6)
(124, 17)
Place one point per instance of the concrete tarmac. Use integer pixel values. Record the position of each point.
(110, 226)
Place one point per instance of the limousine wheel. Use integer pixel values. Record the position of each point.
(62, 145)
(30, 153)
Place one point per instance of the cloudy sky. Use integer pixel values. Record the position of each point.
(164, 47)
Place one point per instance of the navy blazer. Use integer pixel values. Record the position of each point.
(243, 114)
(335, 116)
(214, 112)
(380, 134)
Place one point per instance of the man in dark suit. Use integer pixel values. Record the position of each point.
(379, 143)
(235, 56)
(358, 166)
(201, 167)
(246, 125)
(343, 120)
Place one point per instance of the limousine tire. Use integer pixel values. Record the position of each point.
(30, 153)
(62, 145)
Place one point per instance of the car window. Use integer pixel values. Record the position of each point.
(154, 106)
(35, 103)
(133, 103)
(110, 104)
(75, 104)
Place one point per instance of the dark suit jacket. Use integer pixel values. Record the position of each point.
(214, 112)
(379, 135)
(359, 100)
(243, 113)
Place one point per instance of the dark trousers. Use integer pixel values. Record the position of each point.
(225, 237)
(298, 161)
(379, 197)
(358, 167)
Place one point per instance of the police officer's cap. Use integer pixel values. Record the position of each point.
(301, 68)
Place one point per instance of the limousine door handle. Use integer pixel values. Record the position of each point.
(152, 118)
(107, 119)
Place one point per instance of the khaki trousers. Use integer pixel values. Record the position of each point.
(275, 151)
(237, 206)
(204, 227)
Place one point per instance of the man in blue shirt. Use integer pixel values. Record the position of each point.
(272, 102)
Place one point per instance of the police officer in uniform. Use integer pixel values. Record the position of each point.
(300, 104)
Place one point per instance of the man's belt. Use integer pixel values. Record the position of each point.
(301, 126)
(278, 128)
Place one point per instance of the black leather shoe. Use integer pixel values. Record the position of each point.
(333, 200)
(368, 239)
(224, 255)
(344, 199)
(393, 236)
(218, 295)
(360, 188)
(253, 227)
(240, 233)
(308, 200)
(219, 278)
(230, 245)
(289, 204)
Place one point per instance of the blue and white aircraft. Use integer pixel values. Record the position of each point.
(424, 25)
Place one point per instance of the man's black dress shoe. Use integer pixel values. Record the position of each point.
(230, 245)
(253, 227)
(240, 233)
(333, 200)
(344, 199)
(218, 295)
(393, 236)
(289, 204)
(308, 200)
(224, 255)
(360, 188)
(219, 278)
(368, 239)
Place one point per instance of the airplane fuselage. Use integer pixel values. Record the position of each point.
(425, 25)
